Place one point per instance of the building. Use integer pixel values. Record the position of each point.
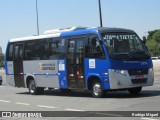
(0, 49)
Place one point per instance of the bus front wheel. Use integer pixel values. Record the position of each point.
(97, 90)
(33, 90)
(135, 91)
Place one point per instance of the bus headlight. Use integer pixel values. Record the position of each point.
(123, 72)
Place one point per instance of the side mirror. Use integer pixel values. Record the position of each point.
(144, 40)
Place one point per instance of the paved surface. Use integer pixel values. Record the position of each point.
(156, 67)
(18, 99)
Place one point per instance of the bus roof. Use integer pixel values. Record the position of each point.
(106, 29)
(71, 32)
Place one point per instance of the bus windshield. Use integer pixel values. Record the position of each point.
(126, 46)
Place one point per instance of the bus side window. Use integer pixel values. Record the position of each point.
(10, 53)
(56, 48)
(29, 51)
(62, 49)
(94, 49)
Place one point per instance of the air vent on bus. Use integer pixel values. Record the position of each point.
(63, 30)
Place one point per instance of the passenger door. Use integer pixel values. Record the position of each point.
(75, 63)
(18, 65)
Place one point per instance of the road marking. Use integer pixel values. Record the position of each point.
(68, 109)
(149, 119)
(22, 103)
(5, 101)
(46, 106)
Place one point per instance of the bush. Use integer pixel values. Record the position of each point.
(153, 42)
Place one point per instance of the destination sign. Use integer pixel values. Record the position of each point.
(119, 37)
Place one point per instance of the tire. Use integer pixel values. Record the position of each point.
(135, 91)
(97, 90)
(0, 83)
(33, 90)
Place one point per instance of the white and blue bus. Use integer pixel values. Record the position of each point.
(96, 59)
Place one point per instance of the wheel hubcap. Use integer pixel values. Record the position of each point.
(97, 89)
(32, 87)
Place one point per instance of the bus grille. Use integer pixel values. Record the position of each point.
(137, 81)
(138, 72)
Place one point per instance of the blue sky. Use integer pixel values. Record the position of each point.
(18, 17)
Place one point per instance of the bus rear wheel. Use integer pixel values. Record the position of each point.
(33, 90)
(97, 90)
(135, 91)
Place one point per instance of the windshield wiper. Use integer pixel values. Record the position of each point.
(121, 55)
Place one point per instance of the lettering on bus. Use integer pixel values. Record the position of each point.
(119, 37)
(46, 66)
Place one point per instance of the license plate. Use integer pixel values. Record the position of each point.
(139, 77)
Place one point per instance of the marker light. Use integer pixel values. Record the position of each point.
(151, 69)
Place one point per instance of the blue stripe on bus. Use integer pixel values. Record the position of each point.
(45, 74)
(38, 74)
(9, 74)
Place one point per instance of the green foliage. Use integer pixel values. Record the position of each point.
(1, 60)
(153, 42)
(150, 33)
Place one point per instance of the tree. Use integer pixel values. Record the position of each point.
(153, 42)
(1, 60)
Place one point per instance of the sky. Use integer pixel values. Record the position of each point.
(18, 17)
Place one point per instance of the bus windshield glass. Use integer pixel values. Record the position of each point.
(126, 46)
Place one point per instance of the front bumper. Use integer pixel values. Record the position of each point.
(128, 80)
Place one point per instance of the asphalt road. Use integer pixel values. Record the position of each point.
(18, 99)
